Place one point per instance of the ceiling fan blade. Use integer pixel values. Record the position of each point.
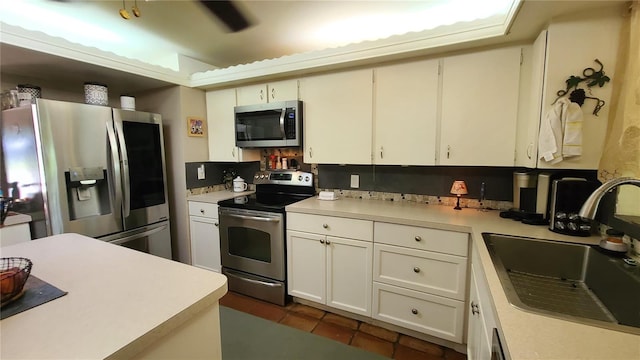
(228, 13)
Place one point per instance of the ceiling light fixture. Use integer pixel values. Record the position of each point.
(135, 9)
(124, 13)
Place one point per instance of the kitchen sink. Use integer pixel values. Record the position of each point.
(575, 282)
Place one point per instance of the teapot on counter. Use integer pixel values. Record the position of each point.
(239, 184)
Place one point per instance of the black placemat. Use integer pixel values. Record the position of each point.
(36, 292)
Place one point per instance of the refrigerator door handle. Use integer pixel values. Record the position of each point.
(138, 235)
(115, 163)
(124, 160)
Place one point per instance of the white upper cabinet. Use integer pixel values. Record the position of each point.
(480, 108)
(405, 113)
(528, 123)
(220, 121)
(338, 117)
(264, 93)
(571, 47)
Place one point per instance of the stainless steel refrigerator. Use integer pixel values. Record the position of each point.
(91, 170)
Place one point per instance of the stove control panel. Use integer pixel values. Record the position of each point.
(284, 177)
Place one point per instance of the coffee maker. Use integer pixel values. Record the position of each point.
(530, 197)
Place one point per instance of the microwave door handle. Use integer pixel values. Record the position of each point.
(284, 136)
(125, 169)
(115, 164)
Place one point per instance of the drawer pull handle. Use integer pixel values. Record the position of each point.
(216, 224)
(475, 309)
(416, 269)
(325, 226)
(418, 238)
(414, 311)
(321, 241)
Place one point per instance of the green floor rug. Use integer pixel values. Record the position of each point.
(247, 337)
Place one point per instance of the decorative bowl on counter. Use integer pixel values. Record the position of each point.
(14, 272)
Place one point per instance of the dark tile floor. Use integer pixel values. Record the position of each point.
(348, 331)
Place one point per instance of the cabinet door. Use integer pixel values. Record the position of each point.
(306, 266)
(282, 90)
(405, 113)
(220, 119)
(338, 117)
(252, 94)
(205, 243)
(349, 275)
(479, 336)
(272, 92)
(531, 102)
(479, 108)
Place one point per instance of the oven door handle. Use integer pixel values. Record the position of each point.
(256, 218)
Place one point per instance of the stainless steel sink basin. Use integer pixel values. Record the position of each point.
(570, 281)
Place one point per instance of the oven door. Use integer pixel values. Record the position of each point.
(253, 242)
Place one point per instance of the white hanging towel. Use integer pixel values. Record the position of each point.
(561, 132)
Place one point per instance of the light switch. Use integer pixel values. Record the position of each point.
(201, 172)
(355, 181)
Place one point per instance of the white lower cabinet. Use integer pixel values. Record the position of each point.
(419, 279)
(408, 276)
(205, 237)
(330, 270)
(481, 317)
(434, 315)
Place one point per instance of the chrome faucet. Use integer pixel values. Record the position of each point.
(590, 206)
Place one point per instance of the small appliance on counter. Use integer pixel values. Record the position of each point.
(530, 198)
(567, 197)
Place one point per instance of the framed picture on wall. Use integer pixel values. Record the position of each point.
(196, 126)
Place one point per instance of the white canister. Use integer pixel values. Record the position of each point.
(127, 102)
(96, 94)
(239, 184)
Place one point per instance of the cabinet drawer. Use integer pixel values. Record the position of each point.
(443, 241)
(329, 225)
(435, 273)
(429, 314)
(203, 209)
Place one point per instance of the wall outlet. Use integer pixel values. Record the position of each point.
(355, 181)
(201, 172)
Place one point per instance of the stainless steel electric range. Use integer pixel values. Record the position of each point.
(252, 234)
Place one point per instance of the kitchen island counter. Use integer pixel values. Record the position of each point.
(527, 335)
(121, 304)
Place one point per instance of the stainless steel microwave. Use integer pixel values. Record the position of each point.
(277, 124)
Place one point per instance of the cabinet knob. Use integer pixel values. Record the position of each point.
(414, 311)
(418, 238)
(328, 242)
(325, 226)
(321, 241)
(216, 224)
(416, 269)
(475, 309)
(201, 211)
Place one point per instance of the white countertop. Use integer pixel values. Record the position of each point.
(119, 301)
(527, 335)
(214, 197)
(14, 218)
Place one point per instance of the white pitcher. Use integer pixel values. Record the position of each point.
(239, 184)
